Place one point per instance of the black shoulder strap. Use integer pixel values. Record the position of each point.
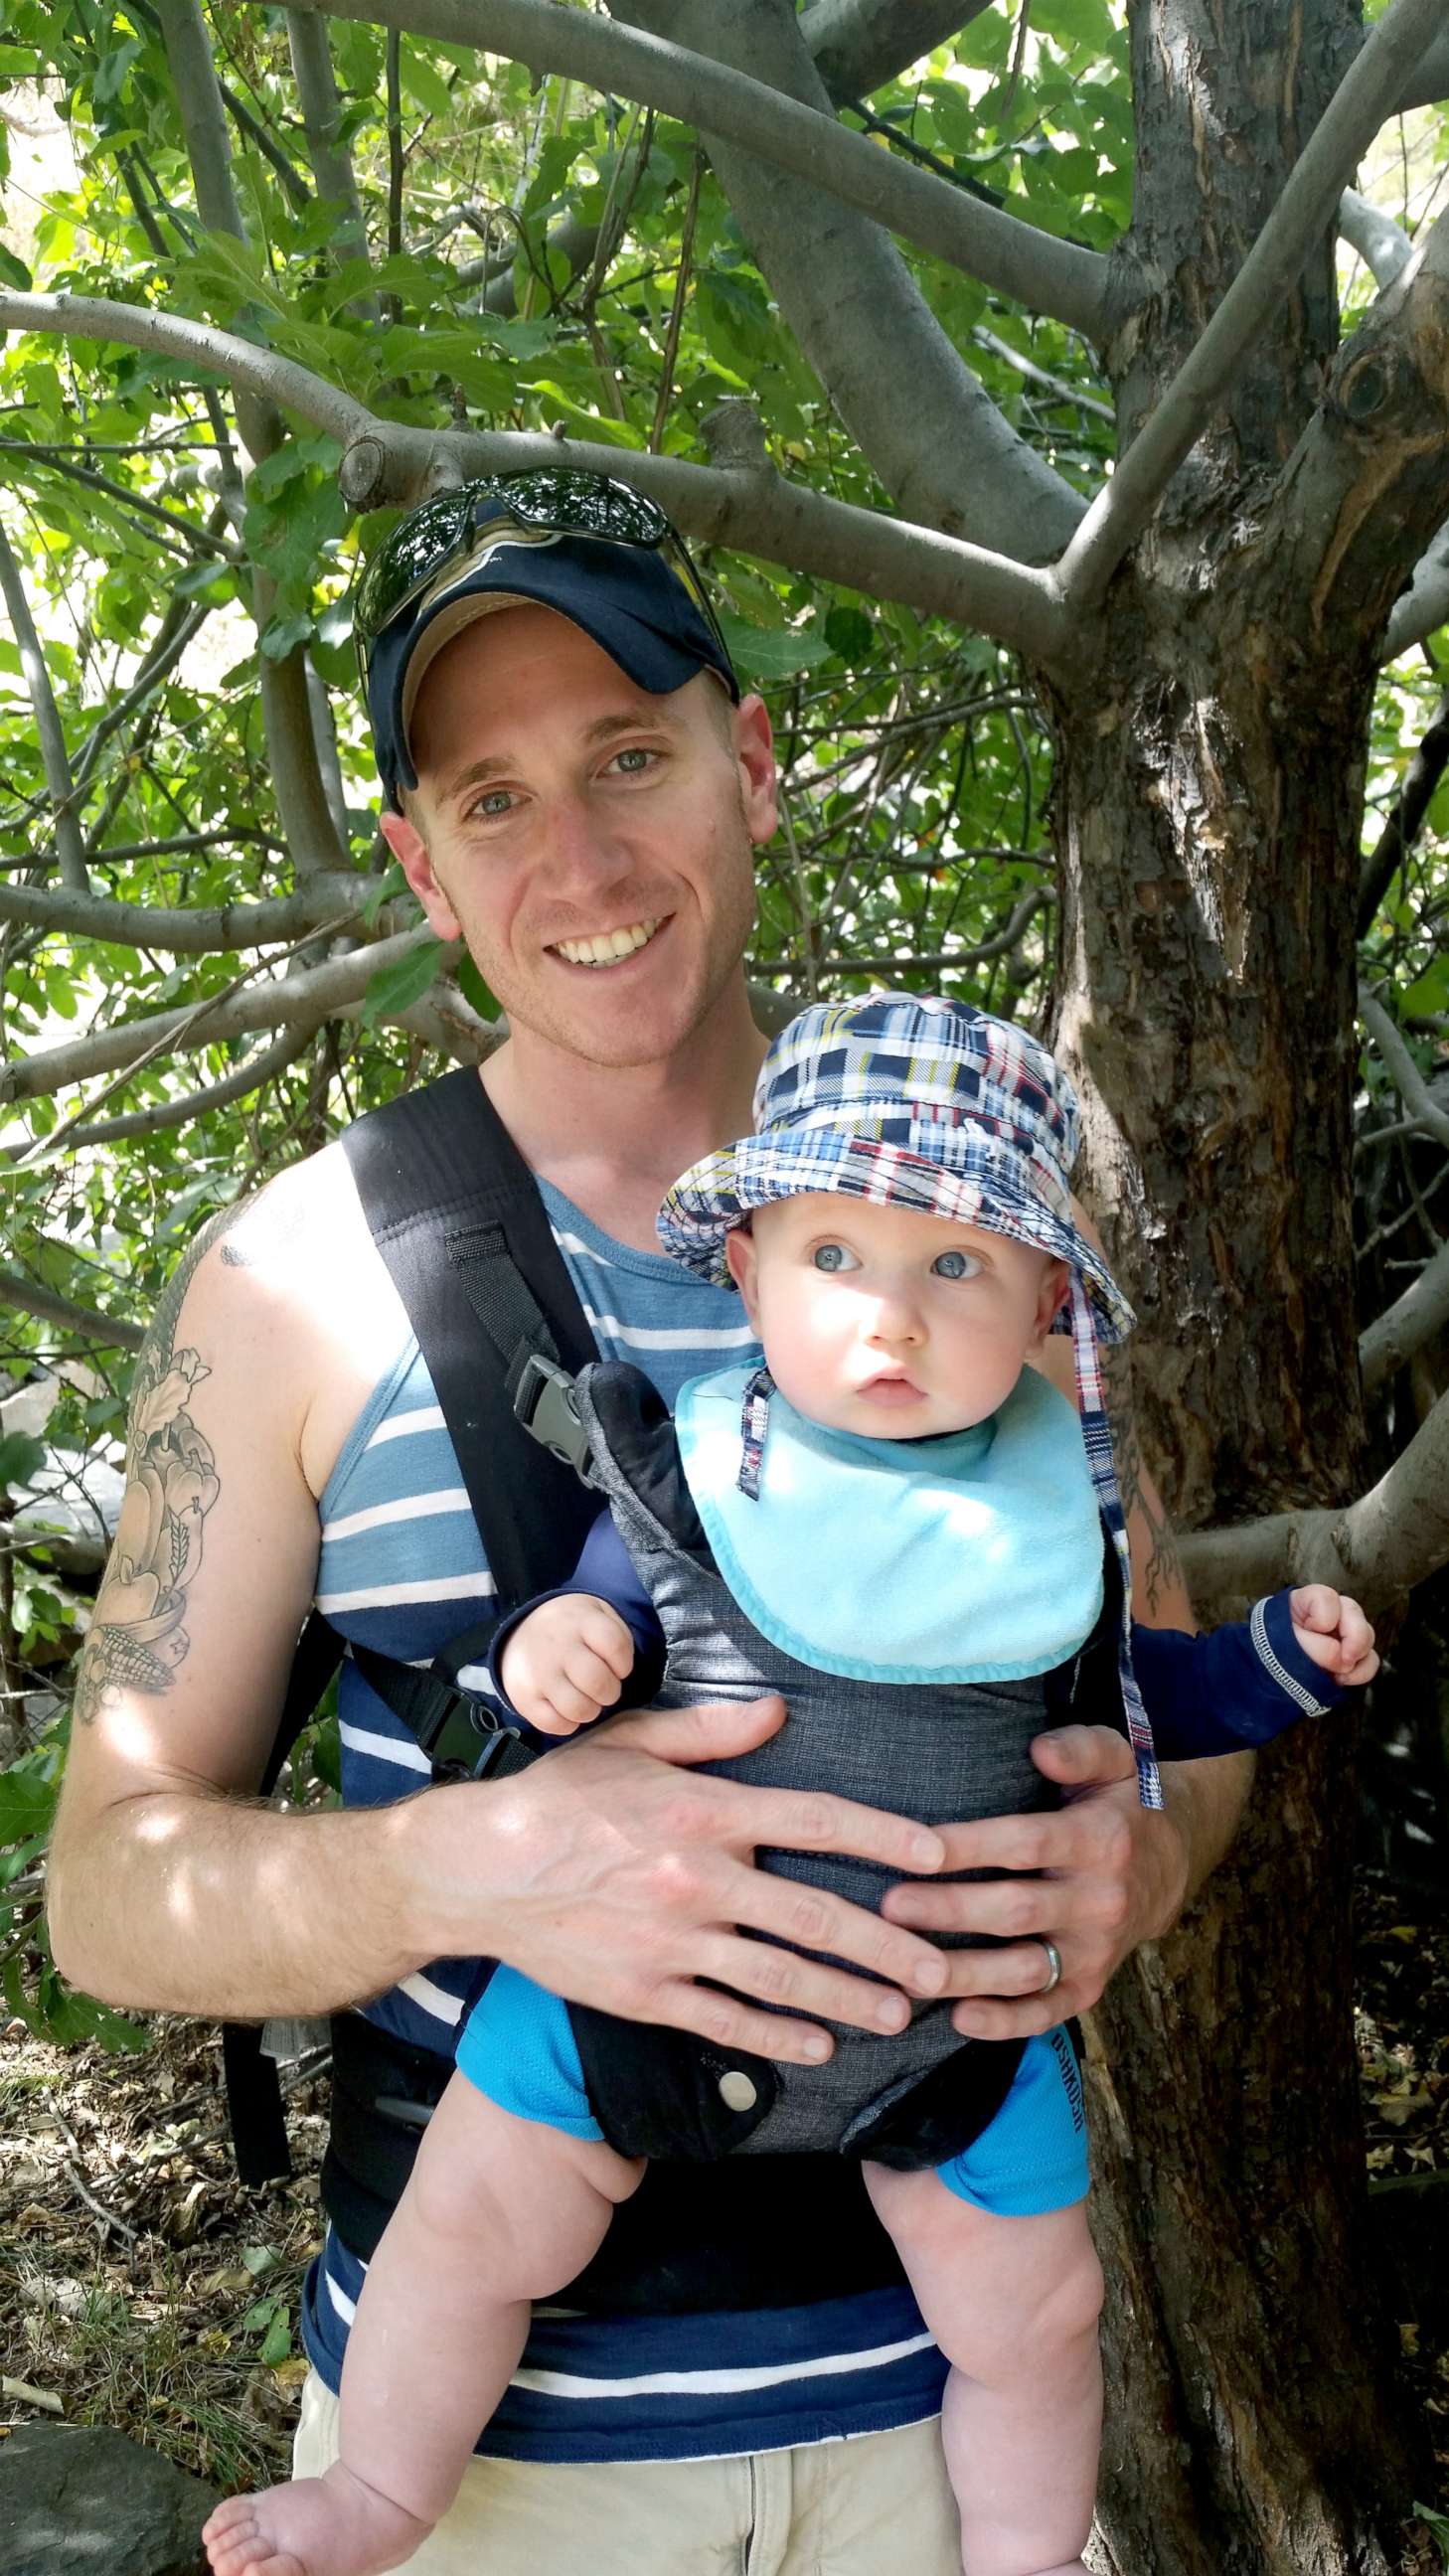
(456, 1214)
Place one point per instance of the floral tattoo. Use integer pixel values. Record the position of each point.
(137, 1638)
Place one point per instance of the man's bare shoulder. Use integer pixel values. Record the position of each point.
(284, 1295)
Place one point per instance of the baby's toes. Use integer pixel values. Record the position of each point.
(234, 2539)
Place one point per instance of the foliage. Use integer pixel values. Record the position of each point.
(559, 260)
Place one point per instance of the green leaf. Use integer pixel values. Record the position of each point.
(14, 271)
(21, 1458)
(282, 635)
(771, 656)
(27, 1805)
(405, 981)
(474, 990)
(111, 72)
(423, 84)
(278, 2343)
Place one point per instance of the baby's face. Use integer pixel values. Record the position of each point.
(883, 1321)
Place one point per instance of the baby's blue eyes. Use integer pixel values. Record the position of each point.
(835, 1257)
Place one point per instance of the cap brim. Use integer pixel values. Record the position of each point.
(608, 594)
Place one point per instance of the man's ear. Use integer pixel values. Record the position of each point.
(755, 753)
(411, 853)
(743, 1260)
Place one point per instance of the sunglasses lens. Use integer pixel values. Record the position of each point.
(583, 505)
(409, 557)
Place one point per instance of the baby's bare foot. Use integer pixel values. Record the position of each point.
(335, 2525)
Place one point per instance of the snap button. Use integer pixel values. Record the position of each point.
(736, 2091)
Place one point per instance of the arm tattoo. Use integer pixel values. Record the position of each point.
(136, 1638)
(1147, 1521)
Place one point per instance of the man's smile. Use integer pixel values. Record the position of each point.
(608, 947)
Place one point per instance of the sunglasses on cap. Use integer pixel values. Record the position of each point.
(545, 501)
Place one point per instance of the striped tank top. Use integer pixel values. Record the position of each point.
(402, 1570)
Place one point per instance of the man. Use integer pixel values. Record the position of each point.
(576, 788)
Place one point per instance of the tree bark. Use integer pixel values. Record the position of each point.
(1208, 803)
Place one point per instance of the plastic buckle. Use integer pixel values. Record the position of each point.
(547, 1407)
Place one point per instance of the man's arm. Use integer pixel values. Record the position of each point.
(607, 1871)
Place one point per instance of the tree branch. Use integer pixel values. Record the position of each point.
(31, 1299)
(1314, 189)
(282, 1003)
(1401, 830)
(286, 717)
(1378, 1549)
(859, 45)
(1382, 245)
(1390, 1343)
(1424, 605)
(1408, 1081)
(182, 621)
(247, 1077)
(178, 532)
(1033, 268)
(1429, 82)
(321, 105)
(388, 462)
(55, 759)
(329, 902)
(948, 458)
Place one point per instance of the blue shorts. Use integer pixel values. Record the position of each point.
(518, 2048)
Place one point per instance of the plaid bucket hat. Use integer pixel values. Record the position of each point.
(912, 1101)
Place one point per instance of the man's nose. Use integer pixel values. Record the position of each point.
(580, 852)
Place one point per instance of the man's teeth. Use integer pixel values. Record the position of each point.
(610, 944)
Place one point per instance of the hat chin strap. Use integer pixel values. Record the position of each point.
(754, 1423)
(1097, 1435)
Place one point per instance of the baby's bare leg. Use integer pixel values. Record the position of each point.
(499, 2212)
(1013, 2303)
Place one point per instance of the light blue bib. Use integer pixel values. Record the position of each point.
(972, 1557)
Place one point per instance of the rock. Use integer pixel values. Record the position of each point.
(76, 2497)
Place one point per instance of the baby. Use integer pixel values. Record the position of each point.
(901, 1526)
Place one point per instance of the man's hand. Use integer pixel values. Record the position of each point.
(1110, 1873)
(565, 1662)
(612, 1875)
(1334, 1634)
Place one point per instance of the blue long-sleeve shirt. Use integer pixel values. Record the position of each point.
(1222, 1693)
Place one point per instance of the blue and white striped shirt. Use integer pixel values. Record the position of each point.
(402, 1570)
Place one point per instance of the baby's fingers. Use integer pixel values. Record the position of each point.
(592, 1678)
(605, 1634)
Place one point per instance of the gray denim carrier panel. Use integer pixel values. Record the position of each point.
(941, 1754)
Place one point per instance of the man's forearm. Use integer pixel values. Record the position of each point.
(191, 1902)
(1205, 1801)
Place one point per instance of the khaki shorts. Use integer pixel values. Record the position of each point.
(861, 2508)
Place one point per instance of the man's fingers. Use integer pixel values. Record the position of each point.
(729, 2024)
(710, 1732)
(811, 1919)
(786, 1819)
(1082, 1757)
(763, 1972)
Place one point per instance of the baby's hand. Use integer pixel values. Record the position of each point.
(1333, 1633)
(566, 1661)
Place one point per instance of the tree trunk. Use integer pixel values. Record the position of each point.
(1208, 802)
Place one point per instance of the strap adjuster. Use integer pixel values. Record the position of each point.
(545, 1404)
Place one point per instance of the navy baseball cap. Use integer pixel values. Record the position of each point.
(583, 545)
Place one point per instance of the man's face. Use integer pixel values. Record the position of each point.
(591, 843)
